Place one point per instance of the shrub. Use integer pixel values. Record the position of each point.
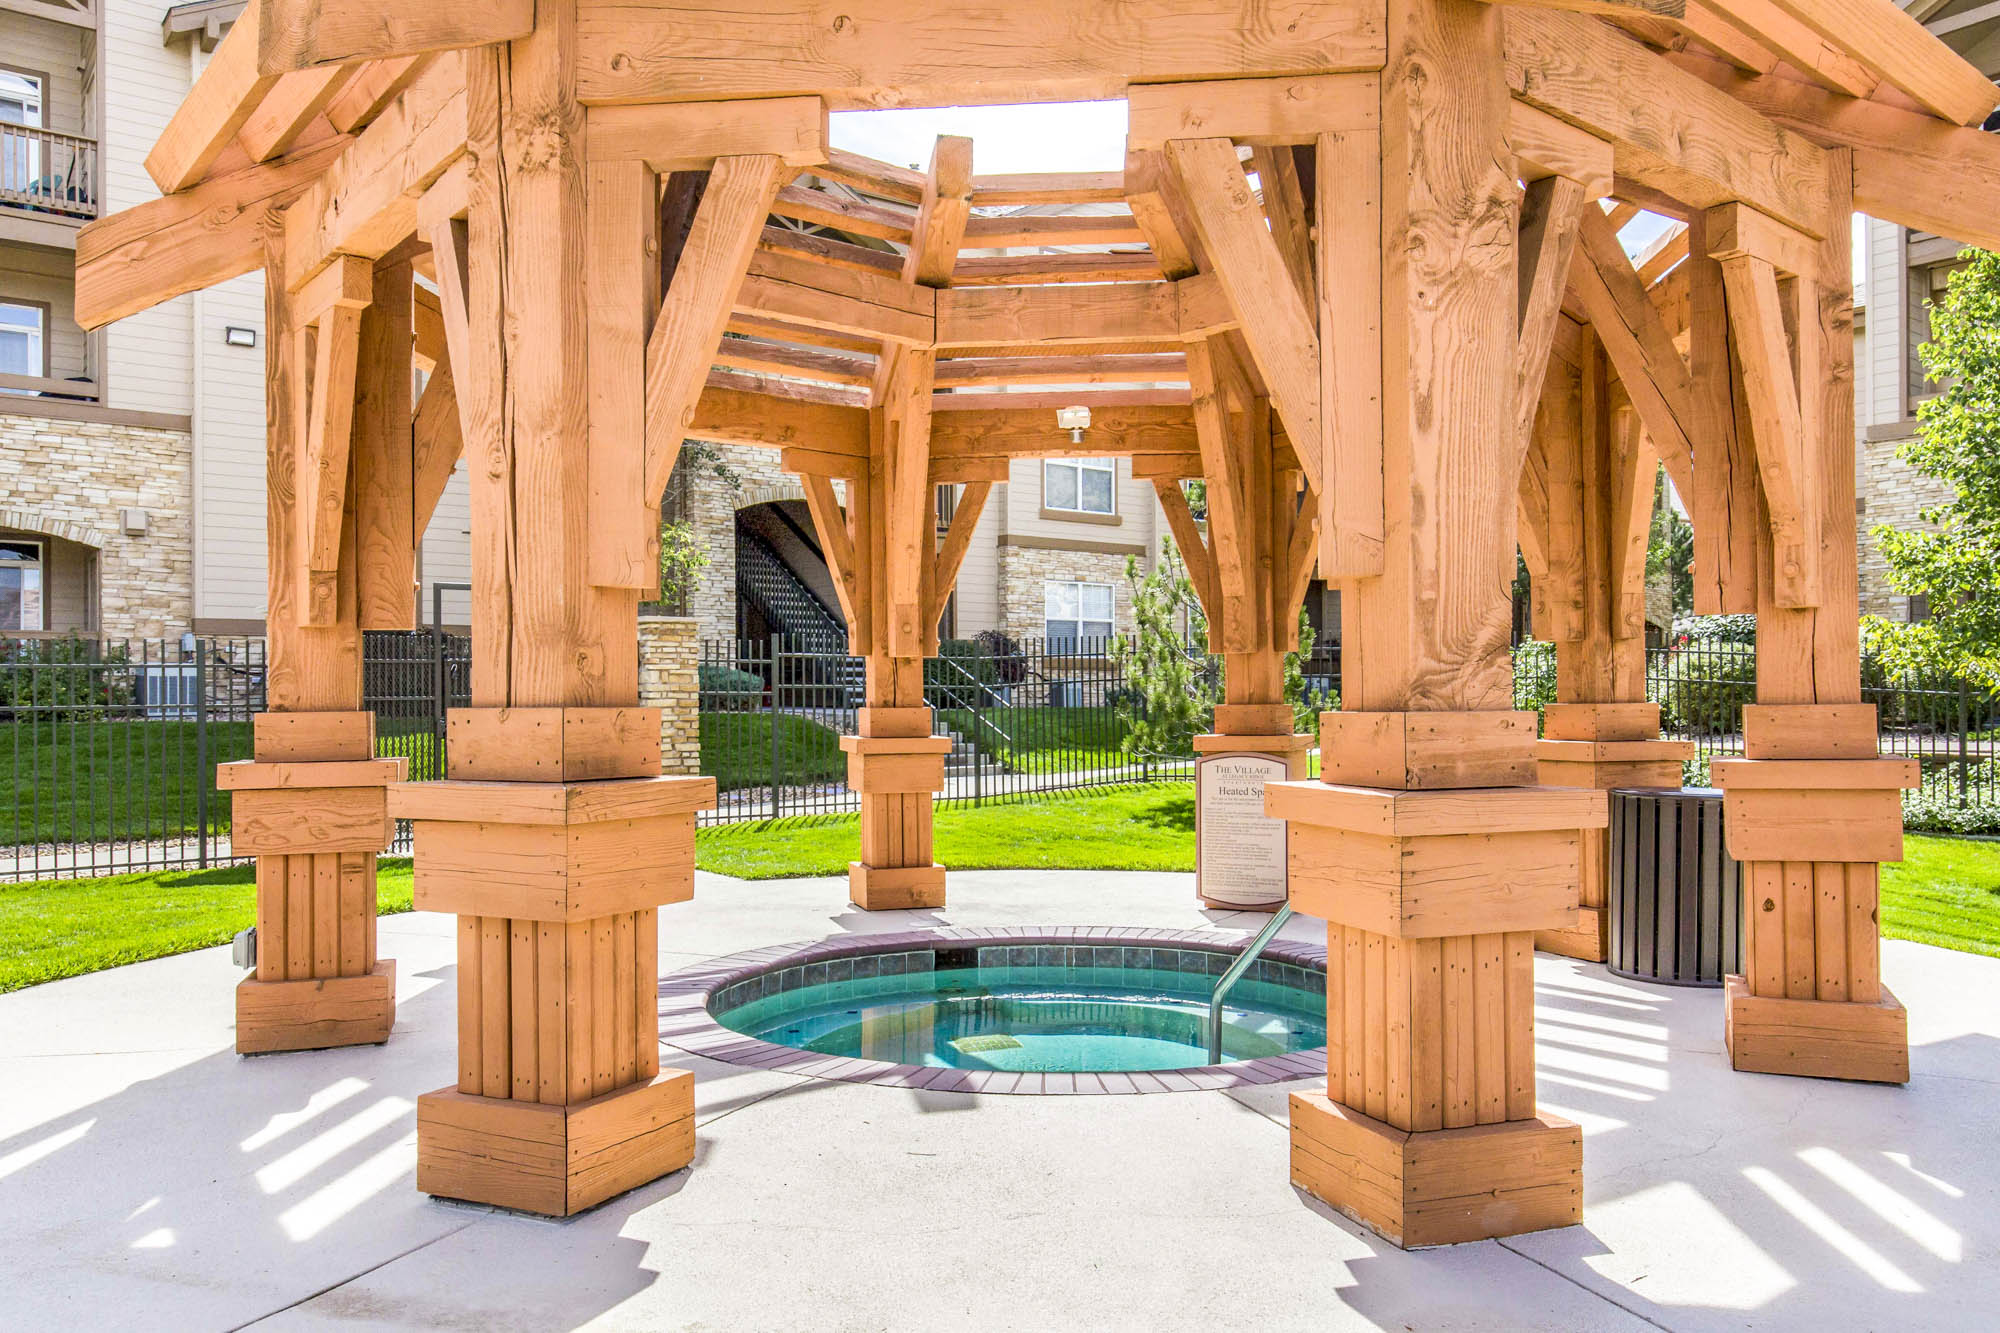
(1010, 665)
(1703, 691)
(1935, 808)
(1534, 676)
(728, 690)
(962, 675)
(1713, 629)
(63, 680)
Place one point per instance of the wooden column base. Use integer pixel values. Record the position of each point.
(554, 1160)
(894, 888)
(1443, 1186)
(1585, 940)
(316, 1013)
(1866, 1042)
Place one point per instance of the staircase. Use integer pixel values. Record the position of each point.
(787, 603)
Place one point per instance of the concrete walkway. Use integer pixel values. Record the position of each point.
(150, 1178)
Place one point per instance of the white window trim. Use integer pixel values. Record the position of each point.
(1078, 465)
(1110, 622)
(41, 568)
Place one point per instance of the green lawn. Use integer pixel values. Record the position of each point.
(1022, 738)
(64, 928)
(1946, 891)
(736, 750)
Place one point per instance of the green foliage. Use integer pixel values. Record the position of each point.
(1307, 702)
(1702, 693)
(682, 558)
(725, 689)
(1670, 548)
(1958, 443)
(962, 675)
(1534, 676)
(1713, 629)
(1172, 692)
(1948, 802)
(63, 680)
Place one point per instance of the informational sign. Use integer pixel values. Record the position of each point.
(1239, 850)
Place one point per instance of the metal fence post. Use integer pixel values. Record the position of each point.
(776, 648)
(202, 777)
(1964, 757)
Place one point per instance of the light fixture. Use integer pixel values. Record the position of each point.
(1075, 420)
(237, 336)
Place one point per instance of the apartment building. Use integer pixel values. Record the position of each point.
(131, 461)
(1903, 271)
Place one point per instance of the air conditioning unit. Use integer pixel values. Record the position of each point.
(165, 693)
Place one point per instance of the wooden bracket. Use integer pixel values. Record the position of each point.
(1550, 217)
(1780, 381)
(957, 539)
(327, 341)
(836, 538)
(1194, 551)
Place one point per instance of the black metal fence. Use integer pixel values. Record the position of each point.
(109, 747)
(1024, 718)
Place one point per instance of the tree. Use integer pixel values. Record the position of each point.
(1307, 703)
(1958, 443)
(1170, 688)
(1670, 547)
(682, 558)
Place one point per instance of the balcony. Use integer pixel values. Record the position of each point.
(48, 172)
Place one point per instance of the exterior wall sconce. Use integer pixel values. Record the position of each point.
(237, 336)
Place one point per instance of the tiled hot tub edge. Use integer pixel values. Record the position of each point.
(686, 1025)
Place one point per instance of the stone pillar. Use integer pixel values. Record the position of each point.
(670, 680)
(1592, 602)
(1432, 858)
(554, 838)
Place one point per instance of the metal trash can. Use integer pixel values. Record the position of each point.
(1676, 896)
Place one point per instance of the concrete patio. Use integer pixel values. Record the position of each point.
(151, 1178)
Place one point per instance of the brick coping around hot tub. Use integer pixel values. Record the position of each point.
(687, 1025)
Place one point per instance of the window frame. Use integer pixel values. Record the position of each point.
(1081, 637)
(41, 568)
(1077, 466)
(47, 310)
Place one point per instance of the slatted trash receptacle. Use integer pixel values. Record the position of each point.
(1675, 893)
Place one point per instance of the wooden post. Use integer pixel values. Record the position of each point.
(1425, 848)
(310, 806)
(1602, 733)
(1811, 810)
(554, 838)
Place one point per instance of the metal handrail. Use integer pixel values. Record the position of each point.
(1228, 980)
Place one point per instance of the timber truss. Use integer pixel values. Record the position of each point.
(1360, 273)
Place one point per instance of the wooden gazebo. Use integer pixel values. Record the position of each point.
(1412, 343)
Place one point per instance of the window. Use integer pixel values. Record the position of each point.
(1080, 485)
(1076, 613)
(20, 154)
(20, 586)
(24, 348)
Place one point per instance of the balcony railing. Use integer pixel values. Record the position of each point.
(14, 387)
(45, 171)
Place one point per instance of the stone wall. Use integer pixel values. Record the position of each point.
(1896, 494)
(71, 479)
(1025, 570)
(712, 499)
(669, 654)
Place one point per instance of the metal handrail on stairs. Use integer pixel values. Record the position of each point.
(1228, 980)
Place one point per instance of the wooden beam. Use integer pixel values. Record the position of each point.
(856, 217)
(1651, 367)
(1193, 548)
(957, 541)
(689, 136)
(1285, 209)
(140, 256)
(1681, 137)
(755, 354)
(1547, 146)
(438, 444)
(1908, 168)
(1052, 187)
(372, 90)
(1031, 270)
(293, 103)
(1787, 452)
(384, 454)
(366, 204)
(1263, 112)
(298, 34)
(727, 415)
(873, 177)
(942, 218)
(697, 305)
(1137, 368)
(323, 464)
(938, 53)
(1768, 25)
(1147, 187)
(207, 121)
(1114, 432)
(1231, 524)
(621, 272)
(1898, 50)
(1112, 313)
(1276, 324)
(1551, 215)
(1634, 464)
(1667, 250)
(830, 524)
(1036, 229)
(1348, 184)
(1725, 504)
(873, 307)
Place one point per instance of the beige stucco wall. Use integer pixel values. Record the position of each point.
(71, 479)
